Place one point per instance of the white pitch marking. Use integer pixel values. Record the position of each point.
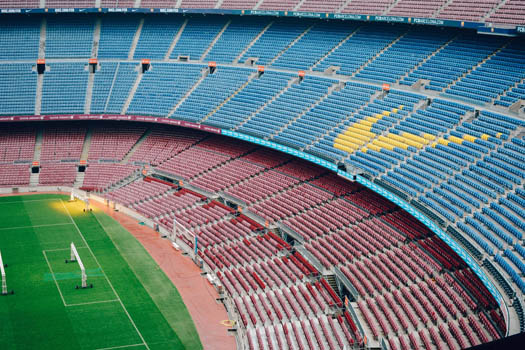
(54, 279)
(21, 227)
(107, 279)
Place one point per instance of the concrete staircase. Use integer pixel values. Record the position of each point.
(236, 60)
(135, 147)
(290, 83)
(86, 146)
(335, 48)
(175, 39)
(79, 180)
(96, 38)
(290, 45)
(389, 8)
(89, 93)
(136, 38)
(38, 145)
(476, 66)
(427, 58)
(38, 97)
(341, 123)
(204, 74)
(384, 49)
(298, 6)
(132, 92)
(259, 3)
(42, 43)
(250, 78)
(439, 10)
(34, 179)
(343, 5)
(309, 108)
(208, 49)
(494, 9)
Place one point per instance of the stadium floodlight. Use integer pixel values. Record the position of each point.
(4, 281)
(76, 257)
(81, 195)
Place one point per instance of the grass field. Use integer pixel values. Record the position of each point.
(133, 305)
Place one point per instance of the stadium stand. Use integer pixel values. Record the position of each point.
(451, 148)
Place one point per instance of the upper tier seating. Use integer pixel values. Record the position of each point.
(18, 86)
(509, 12)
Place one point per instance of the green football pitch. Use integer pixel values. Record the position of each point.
(132, 305)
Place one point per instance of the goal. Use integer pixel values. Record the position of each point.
(4, 281)
(82, 196)
(75, 257)
(182, 235)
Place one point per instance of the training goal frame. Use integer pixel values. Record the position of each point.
(4, 281)
(75, 257)
(80, 195)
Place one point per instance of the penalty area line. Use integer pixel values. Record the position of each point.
(121, 347)
(46, 225)
(107, 279)
(54, 279)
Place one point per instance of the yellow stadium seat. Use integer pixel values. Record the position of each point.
(455, 139)
(469, 138)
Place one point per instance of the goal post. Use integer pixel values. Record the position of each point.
(182, 235)
(75, 257)
(80, 195)
(2, 273)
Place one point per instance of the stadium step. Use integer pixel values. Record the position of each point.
(335, 48)
(341, 123)
(175, 40)
(38, 145)
(389, 8)
(290, 83)
(204, 74)
(438, 11)
(135, 147)
(427, 58)
(38, 97)
(136, 38)
(218, 4)
(203, 56)
(132, 92)
(298, 6)
(89, 93)
(96, 38)
(378, 54)
(79, 180)
(473, 68)
(34, 179)
(331, 89)
(250, 78)
(291, 44)
(86, 146)
(259, 3)
(494, 9)
(137, 3)
(42, 44)
(252, 42)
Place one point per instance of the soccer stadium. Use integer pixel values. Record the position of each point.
(262, 174)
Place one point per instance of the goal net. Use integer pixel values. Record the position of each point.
(80, 195)
(75, 257)
(188, 239)
(2, 273)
